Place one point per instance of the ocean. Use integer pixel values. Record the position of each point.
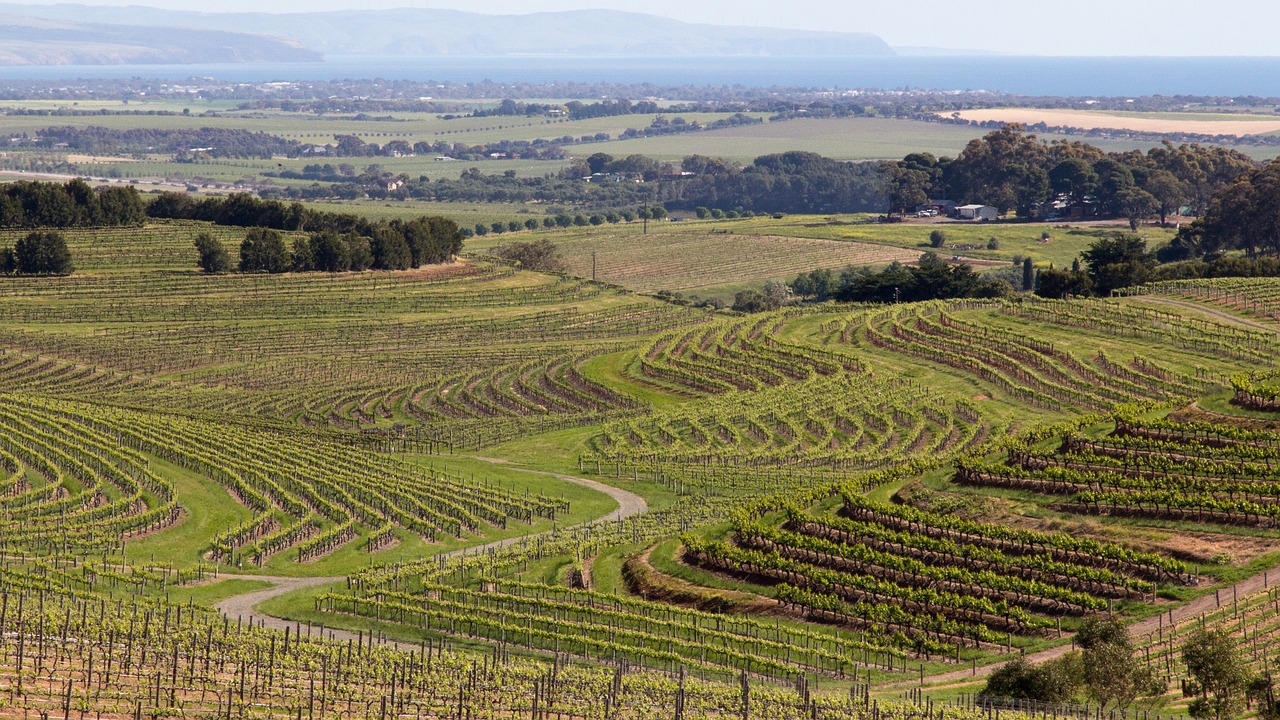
(1062, 76)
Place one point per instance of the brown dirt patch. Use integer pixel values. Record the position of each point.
(1084, 119)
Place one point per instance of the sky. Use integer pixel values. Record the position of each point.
(1078, 27)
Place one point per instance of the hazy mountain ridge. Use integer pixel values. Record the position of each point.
(423, 32)
(38, 41)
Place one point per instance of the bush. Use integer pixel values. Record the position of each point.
(937, 239)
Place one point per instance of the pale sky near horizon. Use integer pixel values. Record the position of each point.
(1081, 27)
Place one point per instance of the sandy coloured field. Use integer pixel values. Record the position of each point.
(1199, 124)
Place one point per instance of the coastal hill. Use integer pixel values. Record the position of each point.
(68, 33)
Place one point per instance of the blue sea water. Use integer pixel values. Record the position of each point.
(1064, 76)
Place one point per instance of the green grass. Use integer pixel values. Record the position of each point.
(842, 139)
(207, 507)
(210, 593)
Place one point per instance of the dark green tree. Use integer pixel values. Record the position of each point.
(1028, 275)
(1118, 261)
(263, 250)
(330, 252)
(1060, 284)
(1057, 680)
(390, 251)
(213, 257)
(43, 252)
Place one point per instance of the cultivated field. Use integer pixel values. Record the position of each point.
(662, 511)
(702, 255)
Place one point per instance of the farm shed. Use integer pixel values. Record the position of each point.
(977, 212)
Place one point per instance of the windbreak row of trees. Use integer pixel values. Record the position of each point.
(392, 246)
(212, 142)
(30, 204)
(932, 278)
(1016, 171)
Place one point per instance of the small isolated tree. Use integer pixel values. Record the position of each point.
(263, 250)
(1028, 275)
(541, 255)
(43, 253)
(937, 239)
(213, 256)
(1220, 676)
(1113, 673)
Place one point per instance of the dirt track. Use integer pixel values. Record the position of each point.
(1201, 604)
(242, 606)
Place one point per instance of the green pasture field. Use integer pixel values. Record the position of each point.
(320, 129)
(842, 139)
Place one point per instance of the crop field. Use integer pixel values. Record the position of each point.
(710, 256)
(470, 490)
(842, 139)
(702, 255)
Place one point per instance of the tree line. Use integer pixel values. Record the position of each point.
(1108, 669)
(932, 278)
(30, 204)
(1016, 171)
(337, 241)
(182, 142)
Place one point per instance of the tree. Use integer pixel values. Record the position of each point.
(1220, 676)
(1054, 681)
(263, 250)
(905, 187)
(541, 255)
(8, 261)
(937, 238)
(1075, 178)
(1060, 284)
(1170, 192)
(1028, 275)
(359, 251)
(1136, 205)
(330, 252)
(1113, 673)
(1118, 261)
(43, 252)
(213, 256)
(389, 249)
(302, 258)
